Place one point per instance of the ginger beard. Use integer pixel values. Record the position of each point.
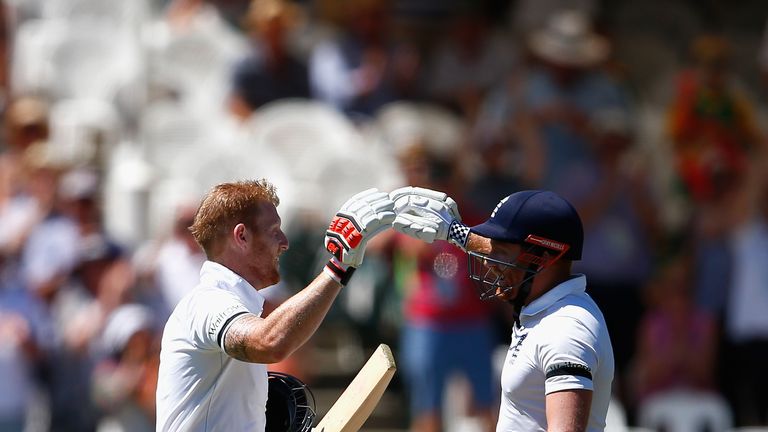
(268, 242)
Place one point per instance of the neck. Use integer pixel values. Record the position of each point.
(548, 279)
(240, 268)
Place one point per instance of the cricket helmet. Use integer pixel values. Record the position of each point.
(546, 226)
(290, 404)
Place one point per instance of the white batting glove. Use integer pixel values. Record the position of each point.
(428, 215)
(357, 221)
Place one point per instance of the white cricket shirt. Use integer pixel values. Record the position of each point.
(562, 343)
(201, 388)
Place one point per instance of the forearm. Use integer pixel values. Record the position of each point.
(290, 325)
(568, 410)
(478, 244)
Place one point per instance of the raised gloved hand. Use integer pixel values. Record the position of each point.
(428, 215)
(357, 221)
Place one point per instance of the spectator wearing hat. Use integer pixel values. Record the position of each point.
(125, 380)
(545, 112)
(270, 71)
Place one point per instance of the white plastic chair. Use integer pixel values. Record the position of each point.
(685, 411)
(32, 68)
(403, 123)
(196, 65)
(80, 58)
(123, 12)
(324, 153)
(167, 130)
(84, 130)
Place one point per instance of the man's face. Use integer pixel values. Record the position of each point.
(268, 242)
(509, 277)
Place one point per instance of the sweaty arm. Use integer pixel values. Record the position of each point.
(271, 339)
(478, 244)
(568, 410)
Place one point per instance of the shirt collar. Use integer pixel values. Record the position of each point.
(574, 285)
(213, 273)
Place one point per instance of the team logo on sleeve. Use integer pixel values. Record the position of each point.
(569, 368)
(224, 317)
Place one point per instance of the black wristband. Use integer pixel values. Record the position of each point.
(335, 269)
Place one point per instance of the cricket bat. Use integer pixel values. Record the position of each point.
(360, 398)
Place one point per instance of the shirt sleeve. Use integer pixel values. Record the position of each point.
(568, 355)
(212, 314)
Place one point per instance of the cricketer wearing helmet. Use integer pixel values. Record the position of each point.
(558, 371)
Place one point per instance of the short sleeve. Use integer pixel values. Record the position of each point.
(213, 311)
(568, 356)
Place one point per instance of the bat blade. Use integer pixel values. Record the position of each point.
(360, 398)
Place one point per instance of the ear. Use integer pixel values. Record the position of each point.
(240, 235)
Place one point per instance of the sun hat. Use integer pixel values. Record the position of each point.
(568, 39)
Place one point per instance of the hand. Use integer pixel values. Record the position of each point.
(428, 215)
(359, 219)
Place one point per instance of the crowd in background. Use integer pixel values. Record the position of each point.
(117, 116)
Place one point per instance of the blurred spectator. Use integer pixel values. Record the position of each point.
(125, 381)
(677, 342)
(746, 323)
(270, 71)
(25, 338)
(98, 282)
(173, 263)
(550, 106)
(470, 60)
(530, 15)
(25, 122)
(447, 329)
(32, 178)
(612, 192)
(49, 251)
(363, 68)
(711, 120)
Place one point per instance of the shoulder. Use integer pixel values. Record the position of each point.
(211, 297)
(576, 315)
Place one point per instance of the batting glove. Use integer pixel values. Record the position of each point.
(359, 219)
(428, 215)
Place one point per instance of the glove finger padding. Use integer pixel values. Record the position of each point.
(421, 228)
(428, 215)
(425, 201)
(359, 219)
